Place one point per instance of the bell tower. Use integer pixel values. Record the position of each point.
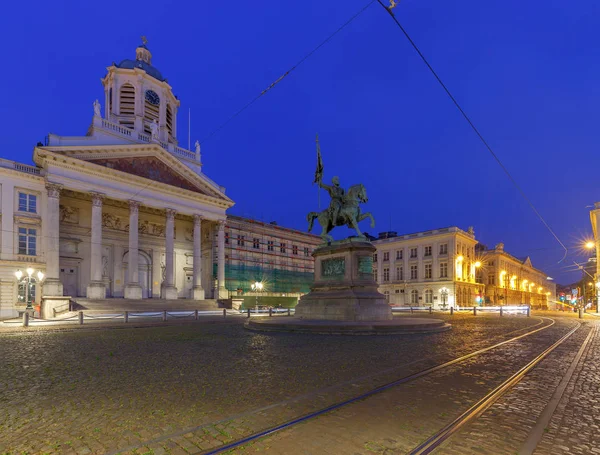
(139, 98)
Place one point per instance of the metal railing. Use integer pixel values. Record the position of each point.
(506, 309)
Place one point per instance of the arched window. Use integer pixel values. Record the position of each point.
(127, 105)
(414, 297)
(169, 121)
(428, 296)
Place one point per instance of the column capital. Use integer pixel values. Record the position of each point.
(171, 214)
(134, 206)
(221, 225)
(53, 190)
(198, 219)
(97, 198)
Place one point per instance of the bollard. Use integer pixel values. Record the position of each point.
(270, 312)
(474, 311)
(26, 319)
(196, 315)
(81, 318)
(289, 312)
(164, 318)
(500, 311)
(224, 312)
(451, 310)
(430, 310)
(126, 318)
(580, 313)
(248, 312)
(411, 310)
(528, 311)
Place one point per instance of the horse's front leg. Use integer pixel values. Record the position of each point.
(364, 216)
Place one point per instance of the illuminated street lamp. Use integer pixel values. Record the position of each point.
(590, 245)
(257, 286)
(27, 281)
(444, 293)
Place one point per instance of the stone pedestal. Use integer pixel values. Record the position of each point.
(168, 292)
(344, 288)
(197, 293)
(96, 290)
(133, 291)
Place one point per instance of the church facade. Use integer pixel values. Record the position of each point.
(122, 212)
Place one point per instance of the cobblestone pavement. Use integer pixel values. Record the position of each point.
(177, 389)
(397, 420)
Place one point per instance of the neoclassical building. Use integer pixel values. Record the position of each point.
(431, 268)
(120, 212)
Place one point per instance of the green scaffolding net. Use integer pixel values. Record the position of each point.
(239, 278)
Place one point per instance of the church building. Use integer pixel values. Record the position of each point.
(122, 212)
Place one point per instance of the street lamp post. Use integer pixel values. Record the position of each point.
(26, 279)
(257, 286)
(444, 293)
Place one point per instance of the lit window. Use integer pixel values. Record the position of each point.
(27, 203)
(427, 271)
(27, 241)
(428, 296)
(443, 270)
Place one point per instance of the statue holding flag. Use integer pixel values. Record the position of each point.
(344, 209)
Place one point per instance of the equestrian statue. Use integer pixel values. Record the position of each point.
(344, 208)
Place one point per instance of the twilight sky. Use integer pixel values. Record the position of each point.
(526, 72)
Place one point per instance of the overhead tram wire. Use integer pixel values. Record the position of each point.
(466, 117)
(277, 81)
(287, 73)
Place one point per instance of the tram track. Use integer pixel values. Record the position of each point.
(403, 380)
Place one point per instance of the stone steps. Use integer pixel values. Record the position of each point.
(111, 305)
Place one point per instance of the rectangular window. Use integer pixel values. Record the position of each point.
(427, 251)
(427, 271)
(491, 279)
(399, 254)
(399, 273)
(270, 245)
(27, 203)
(240, 240)
(282, 247)
(256, 243)
(306, 251)
(413, 253)
(444, 248)
(387, 296)
(227, 237)
(386, 274)
(428, 296)
(386, 255)
(375, 257)
(294, 249)
(27, 241)
(443, 270)
(413, 272)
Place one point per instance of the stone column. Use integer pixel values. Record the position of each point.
(222, 291)
(169, 291)
(52, 284)
(96, 289)
(133, 290)
(198, 290)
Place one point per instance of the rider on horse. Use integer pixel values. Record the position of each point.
(336, 193)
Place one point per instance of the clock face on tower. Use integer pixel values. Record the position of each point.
(152, 97)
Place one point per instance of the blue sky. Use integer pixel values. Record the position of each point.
(526, 72)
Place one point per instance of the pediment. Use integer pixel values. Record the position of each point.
(151, 168)
(527, 262)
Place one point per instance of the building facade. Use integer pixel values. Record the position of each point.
(278, 258)
(512, 281)
(432, 268)
(125, 212)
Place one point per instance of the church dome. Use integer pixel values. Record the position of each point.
(150, 70)
(143, 60)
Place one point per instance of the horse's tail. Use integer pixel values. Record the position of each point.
(311, 219)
